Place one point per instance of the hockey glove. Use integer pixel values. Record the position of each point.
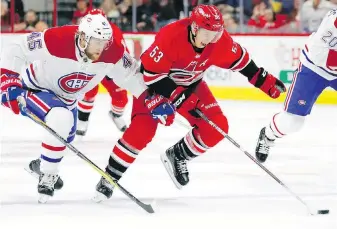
(185, 99)
(11, 89)
(161, 109)
(268, 83)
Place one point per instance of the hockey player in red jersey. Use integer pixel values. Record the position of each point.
(119, 100)
(173, 68)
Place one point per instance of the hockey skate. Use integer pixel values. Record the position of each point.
(118, 120)
(176, 168)
(82, 127)
(34, 169)
(46, 186)
(104, 190)
(263, 146)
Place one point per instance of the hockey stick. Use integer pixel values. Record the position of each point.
(26, 111)
(216, 127)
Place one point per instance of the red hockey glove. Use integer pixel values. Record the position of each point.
(161, 109)
(11, 89)
(185, 99)
(268, 83)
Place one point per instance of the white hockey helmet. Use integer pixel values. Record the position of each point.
(95, 25)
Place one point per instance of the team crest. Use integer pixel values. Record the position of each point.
(74, 82)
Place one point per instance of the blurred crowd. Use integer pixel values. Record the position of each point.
(254, 16)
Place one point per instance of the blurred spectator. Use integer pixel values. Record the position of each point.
(312, 13)
(110, 9)
(282, 6)
(143, 18)
(267, 20)
(226, 9)
(19, 9)
(230, 24)
(81, 11)
(31, 23)
(258, 12)
(125, 9)
(165, 12)
(5, 17)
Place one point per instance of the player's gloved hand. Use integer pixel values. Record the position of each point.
(183, 99)
(11, 89)
(161, 109)
(268, 83)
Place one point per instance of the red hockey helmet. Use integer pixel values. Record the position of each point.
(207, 17)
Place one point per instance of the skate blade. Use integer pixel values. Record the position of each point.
(120, 128)
(99, 197)
(79, 138)
(80, 133)
(169, 170)
(43, 198)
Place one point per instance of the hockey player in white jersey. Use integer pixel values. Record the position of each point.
(119, 97)
(55, 68)
(317, 70)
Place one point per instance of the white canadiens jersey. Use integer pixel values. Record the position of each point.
(52, 61)
(320, 52)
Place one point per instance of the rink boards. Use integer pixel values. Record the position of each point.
(278, 54)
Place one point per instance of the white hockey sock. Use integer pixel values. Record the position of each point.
(61, 120)
(284, 123)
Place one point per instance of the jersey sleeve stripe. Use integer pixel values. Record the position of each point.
(152, 79)
(150, 74)
(242, 62)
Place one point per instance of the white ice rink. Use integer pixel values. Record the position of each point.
(227, 190)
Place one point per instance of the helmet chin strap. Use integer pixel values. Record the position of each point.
(194, 29)
(82, 50)
(193, 37)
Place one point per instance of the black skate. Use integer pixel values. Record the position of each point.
(263, 146)
(46, 186)
(118, 120)
(34, 170)
(82, 127)
(176, 167)
(82, 123)
(104, 190)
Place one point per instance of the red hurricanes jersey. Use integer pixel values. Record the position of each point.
(172, 55)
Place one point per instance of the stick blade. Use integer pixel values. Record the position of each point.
(323, 212)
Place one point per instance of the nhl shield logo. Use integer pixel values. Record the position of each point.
(74, 82)
(127, 62)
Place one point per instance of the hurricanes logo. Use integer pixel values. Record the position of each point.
(74, 82)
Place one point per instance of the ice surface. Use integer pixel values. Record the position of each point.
(227, 190)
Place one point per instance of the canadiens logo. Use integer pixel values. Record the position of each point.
(74, 82)
(302, 102)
